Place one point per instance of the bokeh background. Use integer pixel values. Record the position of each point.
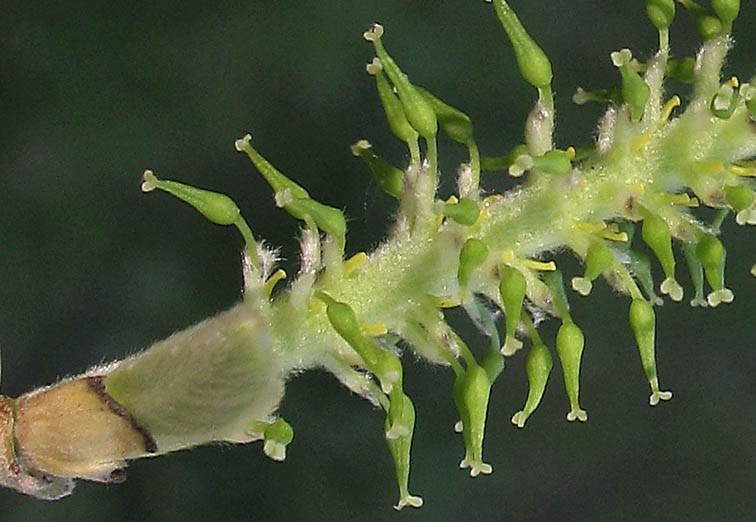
(92, 93)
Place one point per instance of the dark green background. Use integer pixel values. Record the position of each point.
(91, 269)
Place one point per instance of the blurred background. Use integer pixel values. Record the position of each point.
(91, 269)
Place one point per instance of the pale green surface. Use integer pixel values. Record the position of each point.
(92, 268)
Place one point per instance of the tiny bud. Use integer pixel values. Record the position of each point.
(329, 219)
(503, 162)
(455, 123)
(569, 346)
(400, 452)
(277, 180)
(741, 199)
(465, 211)
(712, 254)
(726, 10)
(277, 436)
(512, 289)
(473, 253)
(395, 116)
(533, 63)
(656, 235)
(598, 259)
(521, 164)
(216, 207)
(643, 324)
(661, 13)
(696, 274)
(538, 367)
(419, 112)
(708, 26)
(472, 390)
(553, 162)
(634, 90)
(388, 177)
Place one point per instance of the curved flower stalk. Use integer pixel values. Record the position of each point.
(652, 164)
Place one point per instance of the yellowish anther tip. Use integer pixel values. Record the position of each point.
(620, 237)
(640, 141)
(711, 167)
(570, 152)
(733, 82)
(673, 102)
(541, 266)
(749, 171)
(374, 329)
(354, 262)
(591, 227)
(273, 279)
(445, 302)
(149, 181)
(507, 255)
(243, 143)
(453, 200)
